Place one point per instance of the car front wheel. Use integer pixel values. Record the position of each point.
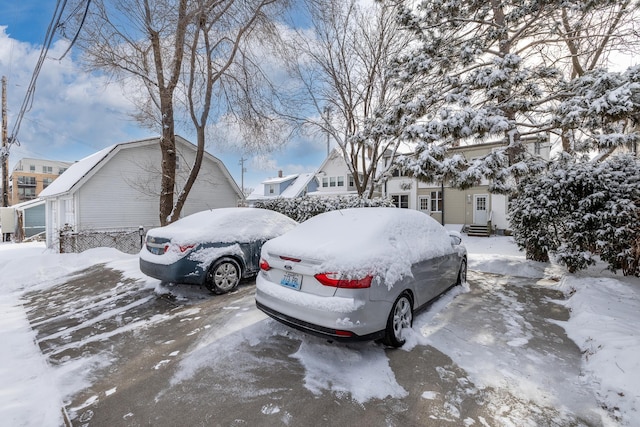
(401, 317)
(223, 276)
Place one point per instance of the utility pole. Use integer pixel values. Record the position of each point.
(4, 151)
(242, 171)
(327, 118)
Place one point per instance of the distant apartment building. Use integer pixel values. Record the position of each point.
(31, 176)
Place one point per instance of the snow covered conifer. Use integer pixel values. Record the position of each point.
(578, 210)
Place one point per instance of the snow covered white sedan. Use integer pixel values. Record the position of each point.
(215, 248)
(358, 274)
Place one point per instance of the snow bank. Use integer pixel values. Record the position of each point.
(604, 324)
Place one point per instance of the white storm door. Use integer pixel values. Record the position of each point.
(480, 204)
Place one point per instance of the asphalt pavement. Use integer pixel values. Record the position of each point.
(186, 357)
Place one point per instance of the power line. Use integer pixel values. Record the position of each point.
(55, 24)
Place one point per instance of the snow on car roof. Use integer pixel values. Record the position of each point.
(360, 241)
(225, 225)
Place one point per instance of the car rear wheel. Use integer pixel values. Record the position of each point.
(462, 274)
(223, 276)
(401, 317)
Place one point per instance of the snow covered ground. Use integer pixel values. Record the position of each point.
(604, 323)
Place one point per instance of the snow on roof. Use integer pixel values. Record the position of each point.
(294, 189)
(75, 173)
(28, 204)
(279, 180)
(80, 169)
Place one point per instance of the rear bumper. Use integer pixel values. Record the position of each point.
(178, 272)
(341, 318)
(316, 330)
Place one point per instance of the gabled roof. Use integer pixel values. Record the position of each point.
(280, 179)
(65, 182)
(332, 155)
(83, 169)
(28, 204)
(294, 189)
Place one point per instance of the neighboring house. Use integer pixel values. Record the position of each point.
(22, 221)
(288, 187)
(30, 219)
(334, 177)
(30, 176)
(118, 189)
(476, 209)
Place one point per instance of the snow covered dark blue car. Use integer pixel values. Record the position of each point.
(215, 248)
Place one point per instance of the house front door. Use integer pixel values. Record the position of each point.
(480, 202)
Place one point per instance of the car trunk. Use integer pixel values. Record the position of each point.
(296, 273)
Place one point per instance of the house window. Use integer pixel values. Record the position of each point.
(47, 169)
(352, 182)
(401, 200)
(341, 181)
(32, 168)
(271, 188)
(423, 203)
(325, 182)
(332, 181)
(46, 182)
(436, 201)
(481, 204)
(61, 171)
(27, 181)
(69, 215)
(26, 193)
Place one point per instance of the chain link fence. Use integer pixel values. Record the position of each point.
(127, 241)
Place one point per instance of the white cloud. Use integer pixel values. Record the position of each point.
(73, 114)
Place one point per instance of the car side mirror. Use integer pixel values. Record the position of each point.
(456, 239)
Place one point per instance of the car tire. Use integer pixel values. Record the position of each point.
(223, 276)
(400, 317)
(462, 274)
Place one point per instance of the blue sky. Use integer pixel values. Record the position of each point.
(75, 114)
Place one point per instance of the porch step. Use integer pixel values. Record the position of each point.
(478, 230)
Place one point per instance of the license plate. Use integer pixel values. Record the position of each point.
(292, 280)
(156, 251)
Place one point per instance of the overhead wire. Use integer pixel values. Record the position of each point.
(55, 24)
(75, 37)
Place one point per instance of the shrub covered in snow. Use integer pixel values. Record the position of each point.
(580, 209)
(303, 208)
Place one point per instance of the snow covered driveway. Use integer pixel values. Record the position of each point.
(487, 354)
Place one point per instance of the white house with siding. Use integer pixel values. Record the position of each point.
(335, 178)
(117, 188)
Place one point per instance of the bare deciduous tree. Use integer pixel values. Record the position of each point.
(344, 65)
(178, 51)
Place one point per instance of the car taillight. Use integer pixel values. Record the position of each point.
(264, 265)
(181, 248)
(335, 280)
